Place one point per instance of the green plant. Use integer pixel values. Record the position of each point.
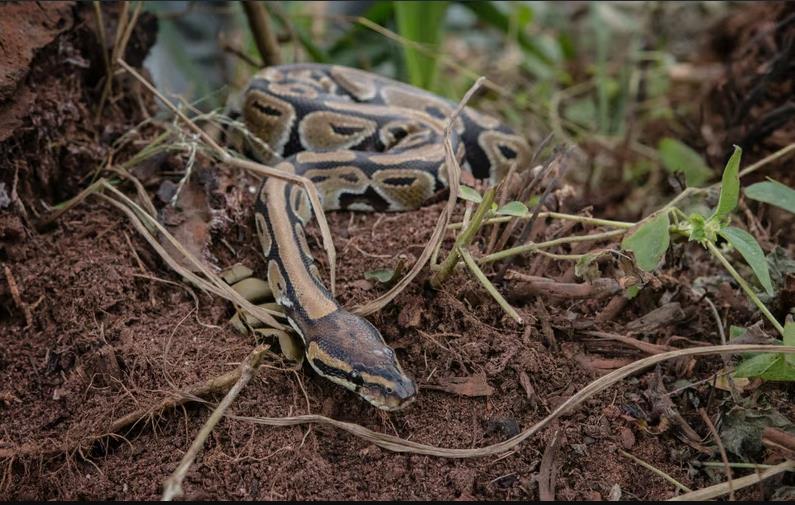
(421, 22)
(648, 240)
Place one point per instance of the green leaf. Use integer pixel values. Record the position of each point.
(756, 366)
(774, 193)
(517, 209)
(649, 241)
(748, 247)
(779, 370)
(729, 187)
(632, 291)
(677, 156)
(470, 194)
(384, 275)
(789, 333)
(736, 332)
(789, 339)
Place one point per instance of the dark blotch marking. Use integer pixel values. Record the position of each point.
(507, 151)
(346, 130)
(335, 372)
(399, 181)
(267, 109)
(329, 370)
(398, 133)
(350, 178)
(436, 112)
(370, 197)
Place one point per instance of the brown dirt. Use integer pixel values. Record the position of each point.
(89, 331)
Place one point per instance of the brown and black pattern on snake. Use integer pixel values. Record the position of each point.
(340, 346)
(367, 143)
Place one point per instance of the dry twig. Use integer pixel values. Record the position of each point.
(173, 485)
(259, 22)
(723, 456)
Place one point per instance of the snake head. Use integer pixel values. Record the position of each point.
(349, 350)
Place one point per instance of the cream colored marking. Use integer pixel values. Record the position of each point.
(299, 233)
(314, 352)
(284, 166)
(490, 141)
(416, 139)
(264, 235)
(300, 204)
(388, 112)
(271, 74)
(403, 97)
(408, 196)
(315, 273)
(330, 182)
(400, 96)
(482, 120)
(359, 84)
(386, 135)
(431, 152)
(294, 89)
(297, 330)
(377, 379)
(274, 130)
(317, 130)
(331, 156)
(349, 174)
(360, 206)
(315, 303)
(277, 283)
(321, 83)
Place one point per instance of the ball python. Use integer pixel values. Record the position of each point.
(368, 143)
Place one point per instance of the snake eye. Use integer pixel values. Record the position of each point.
(389, 390)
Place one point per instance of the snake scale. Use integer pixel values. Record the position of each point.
(368, 143)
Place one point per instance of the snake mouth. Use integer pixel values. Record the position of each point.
(391, 399)
(400, 406)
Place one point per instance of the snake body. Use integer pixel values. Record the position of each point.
(367, 143)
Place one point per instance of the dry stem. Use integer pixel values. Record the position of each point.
(173, 485)
(259, 22)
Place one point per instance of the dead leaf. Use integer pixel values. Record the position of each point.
(474, 385)
(362, 284)
(722, 382)
(660, 317)
(529, 390)
(189, 223)
(742, 429)
(548, 471)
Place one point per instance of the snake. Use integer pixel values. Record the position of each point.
(367, 143)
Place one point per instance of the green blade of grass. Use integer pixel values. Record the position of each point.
(421, 22)
(489, 13)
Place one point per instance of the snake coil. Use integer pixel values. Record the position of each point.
(368, 143)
